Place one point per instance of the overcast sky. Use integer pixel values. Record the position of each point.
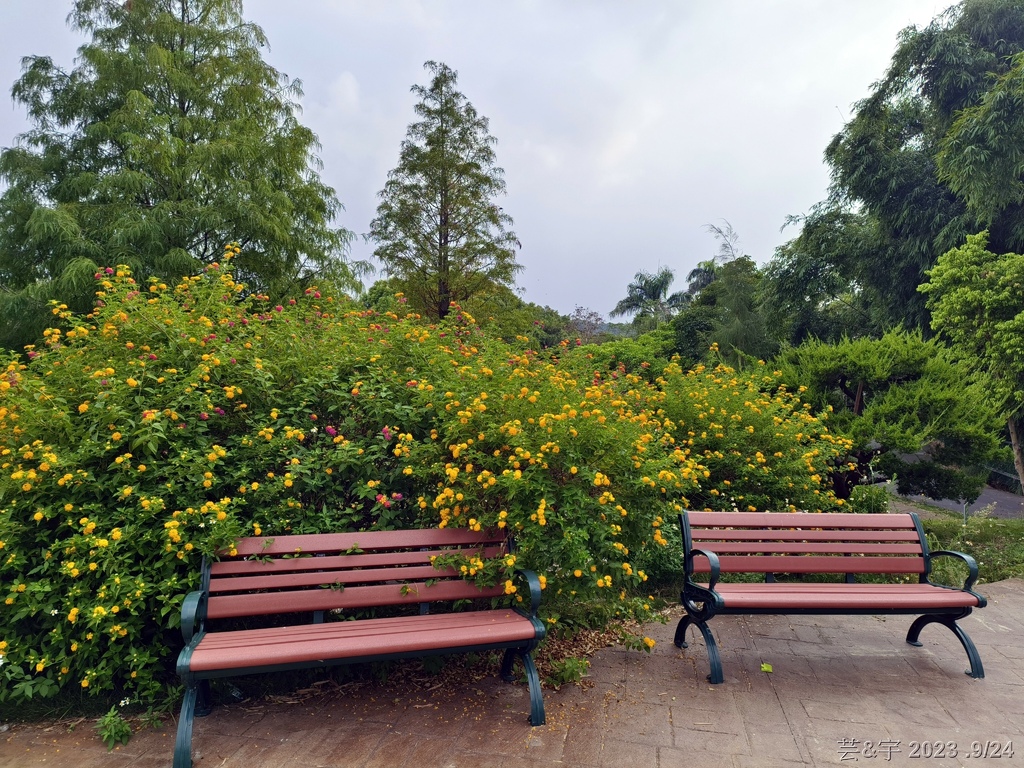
(623, 127)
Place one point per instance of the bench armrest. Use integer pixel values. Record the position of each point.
(534, 583)
(716, 566)
(193, 614)
(969, 561)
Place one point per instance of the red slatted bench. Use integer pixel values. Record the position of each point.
(288, 576)
(796, 544)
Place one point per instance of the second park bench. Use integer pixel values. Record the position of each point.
(784, 549)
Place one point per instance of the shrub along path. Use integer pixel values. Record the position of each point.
(837, 683)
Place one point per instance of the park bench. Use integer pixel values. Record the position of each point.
(795, 546)
(287, 576)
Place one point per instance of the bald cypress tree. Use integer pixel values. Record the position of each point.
(437, 227)
(169, 138)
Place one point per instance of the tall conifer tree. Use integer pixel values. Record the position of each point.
(437, 227)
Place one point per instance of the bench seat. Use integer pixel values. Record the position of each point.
(839, 598)
(303, 645)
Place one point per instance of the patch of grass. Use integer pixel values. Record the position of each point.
(996, 544)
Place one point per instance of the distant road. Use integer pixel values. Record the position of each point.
(1003, 504)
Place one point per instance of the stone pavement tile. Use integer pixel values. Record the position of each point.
(811, 633)
(609, 666)
(859, 709)
(916, 708)
(673, 757)
(688, 667)
(152, 760)
(928, 667)
(546, 743)
(277, 722)
(710, 741)
(149, 742)
(327, 748)
(654, 692)
(880, 674)
(1010, 651)
(824, 622)
(394, 748)
(233, 752)
(767, 761)
(774, 743)
(617, 753)
(992, 621)
(641, 722)
(758, 708)
(747, 667)
(583, 742)
(459, 760)
(770, 627)
(722, 719)
(995, 698)
(54, 745)
(498, 736)
(231, 719)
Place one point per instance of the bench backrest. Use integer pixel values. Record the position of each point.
(801, 542)
(322, 572)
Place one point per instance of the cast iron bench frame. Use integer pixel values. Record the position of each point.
(817, 543)
(272, 576)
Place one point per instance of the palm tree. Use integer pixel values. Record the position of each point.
(706, 272)
(647, 298)
(700, 277)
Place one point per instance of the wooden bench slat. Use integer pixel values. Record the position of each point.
(813, 564)
(362, 560)
(341, 543)
(327, 577)
(350, 639)
(768, 520)
(774, 534)
(294, 601)
(816, 548)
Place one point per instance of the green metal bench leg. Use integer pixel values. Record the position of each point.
(976, 671)
(532, 679)
(506, 665)
(204, 701)
(536, 696)
(183, 741)
(681, 627)
(715, 660)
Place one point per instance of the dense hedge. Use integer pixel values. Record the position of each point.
(173, 420)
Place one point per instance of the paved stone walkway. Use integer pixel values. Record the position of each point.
(837, 684)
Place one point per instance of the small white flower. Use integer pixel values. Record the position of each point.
(312, 430)
(54, 612)
(125, 702)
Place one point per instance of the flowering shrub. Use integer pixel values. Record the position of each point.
(175, 419)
